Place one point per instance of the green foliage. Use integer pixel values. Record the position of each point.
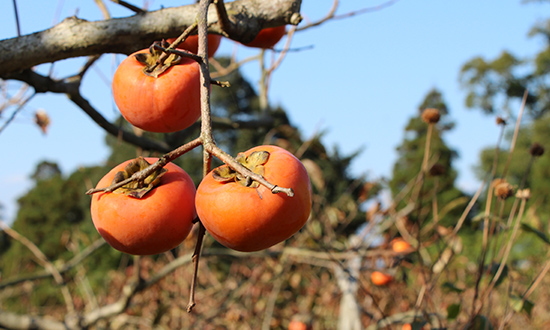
(508, 77)
(54, 215)
(535, 176)
(411, 154)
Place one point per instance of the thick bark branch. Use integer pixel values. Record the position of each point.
(71, 87)
(75, 37)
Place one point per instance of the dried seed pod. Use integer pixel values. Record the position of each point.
(536, 150)
(501, 121)
(431, 115)
(437, 170)
(503, 189)
(524, 193)
(42, 119)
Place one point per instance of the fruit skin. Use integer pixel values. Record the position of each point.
(252, 219)
(191, 43)
(268, 37)
(380, 279)
(297, 325)
(153, 224)
(399, 245)
(168, 103)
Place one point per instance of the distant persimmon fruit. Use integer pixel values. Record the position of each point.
(267, 38)
(380, 279)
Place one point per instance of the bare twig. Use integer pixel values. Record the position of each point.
(76, 260)
(16, 111)
(141, 175)
(103, 9)
(129, 6)
(16, 14)
(231, 162)
(516, 132)
(332, 13)
(44, 262)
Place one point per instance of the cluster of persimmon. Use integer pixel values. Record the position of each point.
(398, 246)
(156, 214)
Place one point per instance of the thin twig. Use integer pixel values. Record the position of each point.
(195, 258)
(44, 262)
(506, 252)
(332, 13)
(516, 132)
(247, 173)
(141, 175)
(16, 111)
(206, 131)
(129, 6)
(16, 14)
(103, 9)
(76, 260)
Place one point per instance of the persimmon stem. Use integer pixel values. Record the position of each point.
(176, 42)
(190, 29)
(195, 258)
(236, 166)
(178, 52)
(141, 175)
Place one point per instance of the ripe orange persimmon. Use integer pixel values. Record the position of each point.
(191, 43)
(247, 216)
(268, 37)
(399, 245)
(164, 100)
(380, 279)
(297, 325)
(158, 221)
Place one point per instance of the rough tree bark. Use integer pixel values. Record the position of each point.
(75, 37)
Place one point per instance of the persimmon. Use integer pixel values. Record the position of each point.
(380, 279)
(191, 43)
(399, 245)
(158, 98)
(145, 218)
(268, 37)
(245, 216)
(297, 325)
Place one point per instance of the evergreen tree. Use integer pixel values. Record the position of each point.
(507, 78)
(411, 154)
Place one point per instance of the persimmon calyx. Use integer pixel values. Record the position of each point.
(254, 162)
(153, 66)
(138, 188)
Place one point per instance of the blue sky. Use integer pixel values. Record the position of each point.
(360, 83)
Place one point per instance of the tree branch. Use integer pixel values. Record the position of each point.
(71, 87)
(74, 37)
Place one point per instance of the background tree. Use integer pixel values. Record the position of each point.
(441, 181)
(336, 208)
(494, 86)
